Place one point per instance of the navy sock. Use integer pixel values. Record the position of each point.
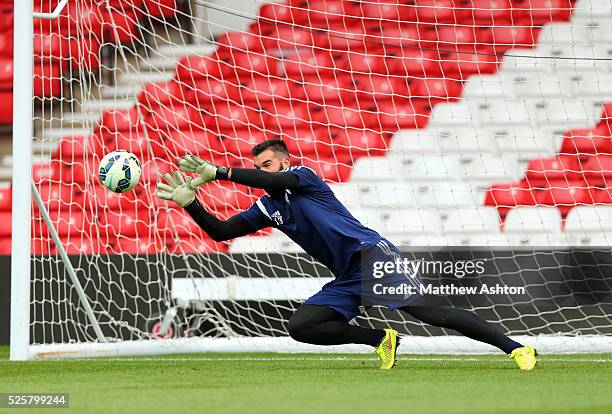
(509, 345)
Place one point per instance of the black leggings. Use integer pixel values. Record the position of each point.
(320, 325)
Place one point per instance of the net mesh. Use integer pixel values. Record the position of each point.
(437, 122)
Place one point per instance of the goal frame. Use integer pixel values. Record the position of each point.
(20, 347)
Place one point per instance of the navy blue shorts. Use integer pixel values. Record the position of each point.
(364, 285)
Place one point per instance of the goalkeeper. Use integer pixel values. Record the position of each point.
(303, 207)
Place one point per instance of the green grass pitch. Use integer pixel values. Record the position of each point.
(296, 383)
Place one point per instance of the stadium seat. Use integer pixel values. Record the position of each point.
(6, 198)
(193, 67)
(525, 220)
(472, 220)
(593, 9)
(540, 12)
(407, 142)
(541, 171)
(129, 223)
(391, 117)
(503, 112)
(234, 41)
(277, 12)
(71, 222)
(507, 196)
(446, 195)
(285, 39)
(598, 170)
(468, 140)
(488, 168)
(454, 114)
(381, 195)
(435, 90)
(270, 91)
(227, 194)
(586, 142)
(522, 139)
(332, 169)
(489, 13)
(274, 243)
(431, 167)
(307, 63)
(309, 143)
(505, 37)
(415, 62)
(383, 169)
(409, 221)
(489, 86)
(5, 224)
(357, 143)
(439, 11)
(565, 196)
(589, 219)
(200, 245)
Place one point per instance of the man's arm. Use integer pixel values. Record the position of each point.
(252, 177)
(247, 176)
(218, 230)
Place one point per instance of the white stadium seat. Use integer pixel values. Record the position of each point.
(377, 169)
(467, 140)
(347, 193)
(410, 221)
(453, 114)
(593, 8)
(592, 84)
(416, 240)
(589, 219)
(525, 220)
(388, 195)
(413, 142)
(489, 86)
(369, 217)
(483, 240)
(489, 168)
(592, 240)
(540, 85)
(472, 220)
(494, 112)
(521, 139)
(563, 33)
(431, 167)
(562, 113)
(524, 60)
(447, 195)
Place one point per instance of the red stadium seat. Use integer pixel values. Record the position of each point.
(326, 90)
(347, 117)
(232, 42)
(66, 222)
(144, 146)
(389, 10)
(6, 198)
(155, 94)
(380, 88)
(540, 12)
(6, 107)
(322, 13)
(7, 45)
(127, 223)
(274, 12)
(507, 37)
(47, 79)
(191, 68)
(395, 39)
(144, 244)
(345, 38)
(114, 120)
(490, 12)
(410, 114)
(415, 62)
(247, 65)
(330, 169)
(270, 91)
(597, 169)
(309, 143)
(450, 38)
(285, 39)
(204, 144)
(437, 89)
(51, 45)
(161, 8)
(174, 223)
(5, 224)
(74, 149)
(307, 63)
(207, 92)
(62, 196)
(586, 142)
(170, 118)
(506, 196)
(542, 171)
(241, 142)
(466, 63)
(5, 245)
(287, 118)
(357, 63)
(565, 196)
(359, 143)
(152, 170)
(230, 116)
(440, 11)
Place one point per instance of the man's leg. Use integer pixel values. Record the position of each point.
(465, 322)
(321, 325)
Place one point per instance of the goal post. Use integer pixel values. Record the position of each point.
(460, 131)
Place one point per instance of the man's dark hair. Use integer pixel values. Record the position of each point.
(276, 145)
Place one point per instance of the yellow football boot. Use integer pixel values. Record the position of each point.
(387, 349)
(525, 357)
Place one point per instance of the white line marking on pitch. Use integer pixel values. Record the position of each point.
(331, 359)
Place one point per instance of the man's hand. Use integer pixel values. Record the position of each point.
(179, 189)
(193, 164)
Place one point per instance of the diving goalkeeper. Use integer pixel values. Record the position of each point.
(303, 207)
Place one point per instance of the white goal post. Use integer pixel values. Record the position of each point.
(454, 138)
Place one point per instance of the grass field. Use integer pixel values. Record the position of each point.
(272, 383)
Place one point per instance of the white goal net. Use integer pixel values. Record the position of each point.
(459, 130)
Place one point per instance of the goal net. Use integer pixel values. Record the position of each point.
(462, 131)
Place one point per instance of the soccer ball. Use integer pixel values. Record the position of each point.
(119, 171)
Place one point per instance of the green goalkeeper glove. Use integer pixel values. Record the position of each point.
(179, 189)
(207, 171)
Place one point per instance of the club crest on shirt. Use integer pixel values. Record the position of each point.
(278, 219)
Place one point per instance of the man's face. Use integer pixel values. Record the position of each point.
(271, 161)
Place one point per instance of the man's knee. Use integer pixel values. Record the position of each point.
(298, 327)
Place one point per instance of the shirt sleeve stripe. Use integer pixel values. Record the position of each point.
(262, 208)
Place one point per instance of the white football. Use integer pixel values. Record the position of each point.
(119, 171)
